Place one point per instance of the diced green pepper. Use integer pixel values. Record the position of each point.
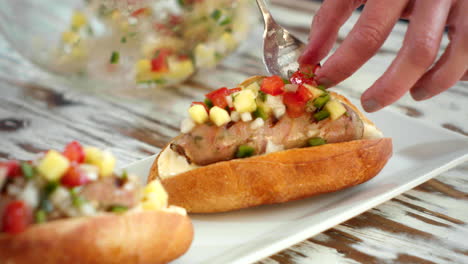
(262, 96)
(225, 21)
(123, 39)
(316, 141)
(244, 151)
(124, 175)
(114, 59)
(260, 112)
(28, 170)
(41, 216)
(208, 103)
(320, 101)
(118, 209)
(50, 187)
(286, 81)
(321, 115)
(216, 14)
(321, 87)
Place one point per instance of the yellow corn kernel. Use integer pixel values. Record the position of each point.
(205, 56)
(254, 87)
(78, 20)
(70, 37)
(335, 108)
(198, 113)
(244, 101)
(219, 116)
(53, 166)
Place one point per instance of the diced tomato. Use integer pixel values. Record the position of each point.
(201, 103)
(175, 20)
(16, 217)
(304, 93)
(159, 62)
(74, 152)
(218, 97)
(309, 69)
(74, 177)
(234, 90)
(295, 106)
(13, 168)
(138, 12)
(182, 57)
(301, 78)
(273, 85)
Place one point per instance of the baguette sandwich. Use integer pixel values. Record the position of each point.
(269, 141)
(70, 207)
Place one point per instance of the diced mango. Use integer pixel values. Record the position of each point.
(254, 87)
(53, 166)
(198, 113)
(154, 196)
(316, 92)
(78, 20)
(70, 37)
(335, 108)
(228, 41)
(104, 160)
(205, 56)
(219, 116)
(244, 101)
(180, 69)
(143, 66)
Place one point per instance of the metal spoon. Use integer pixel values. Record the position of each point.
(280, 49)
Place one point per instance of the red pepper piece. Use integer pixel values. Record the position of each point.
(159, 62)
(74, 152)
(303, 93)
(201, 103)
(273, 85)
(138, 12)
(74, 177)
(218, 97)
(295, 106)
(301, 78)
(16, 217)
(234, 90)
(13, 168)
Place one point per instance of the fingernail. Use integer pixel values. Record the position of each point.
(325, 81)
(419, 94)
(371, 105)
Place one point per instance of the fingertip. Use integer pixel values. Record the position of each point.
(419, 94)
(370, 105)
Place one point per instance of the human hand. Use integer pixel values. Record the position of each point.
(413, 68)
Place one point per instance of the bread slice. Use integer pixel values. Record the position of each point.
(276, 177)
(131, 238)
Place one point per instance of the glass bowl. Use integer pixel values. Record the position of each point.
(160, 44)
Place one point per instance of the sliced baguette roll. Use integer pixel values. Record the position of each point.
(276, 177)
(134, 237)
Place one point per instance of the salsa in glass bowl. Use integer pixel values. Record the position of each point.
(159, 44)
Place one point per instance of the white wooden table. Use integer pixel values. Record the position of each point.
(428, 224)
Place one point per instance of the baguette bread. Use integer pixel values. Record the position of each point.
(275, 177)
(143, 237)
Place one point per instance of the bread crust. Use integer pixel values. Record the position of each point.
(134, 237)
(276, 177)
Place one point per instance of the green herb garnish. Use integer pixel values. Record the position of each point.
(225, 21)
(321, 115)
(262, 96)
(51, 187)
(123, 39)
(124, 175)
(321, 87)
(244, 151)
(114, 59)
(316, 141)
(286, 81)
(28, 170)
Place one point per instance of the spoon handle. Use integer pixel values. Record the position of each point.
(267, 17)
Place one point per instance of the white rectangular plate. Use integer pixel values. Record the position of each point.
(421, 151)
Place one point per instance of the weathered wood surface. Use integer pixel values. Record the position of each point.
(425, 225)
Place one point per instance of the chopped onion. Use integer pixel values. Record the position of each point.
(187, 125)
(279, 111)
(291, 87)
(272, 147)
(257, 123)
(235, 116)
(30, 195)
(246, 117)
(229, 101)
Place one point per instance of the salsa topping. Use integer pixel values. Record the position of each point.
(76, 182)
